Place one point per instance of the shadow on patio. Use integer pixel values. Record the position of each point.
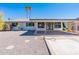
(29, 33)
(32, 33)
(59, 33)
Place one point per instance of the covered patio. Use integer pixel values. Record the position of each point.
(66, 25)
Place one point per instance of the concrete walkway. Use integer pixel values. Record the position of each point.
(11, 43)
(63, 44)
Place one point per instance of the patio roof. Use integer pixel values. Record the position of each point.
(54, 20)
(42, 20)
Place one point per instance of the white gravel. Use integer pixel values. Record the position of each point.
(11, 43)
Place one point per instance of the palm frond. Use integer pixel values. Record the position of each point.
(28, 7)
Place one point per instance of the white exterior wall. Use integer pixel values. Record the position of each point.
(22, 24)
(66, 24)
(58, 29)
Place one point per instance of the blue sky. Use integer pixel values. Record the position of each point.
(40, 10)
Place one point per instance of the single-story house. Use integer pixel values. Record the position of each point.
(43, 24)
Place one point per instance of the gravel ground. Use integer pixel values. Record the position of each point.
(11, 43)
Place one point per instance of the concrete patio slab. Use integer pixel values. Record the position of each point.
(63, 45)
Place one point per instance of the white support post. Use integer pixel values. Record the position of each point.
(45, 27)
(36, 27)
(61, 26)
(66, 24)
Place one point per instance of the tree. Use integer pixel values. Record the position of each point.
(1, 22)
(69, 27)
(28, 9)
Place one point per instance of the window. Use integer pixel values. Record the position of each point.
(41, 25)
(30, 24)
(14, 24)
(57, 24)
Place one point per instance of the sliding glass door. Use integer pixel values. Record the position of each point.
(49, 26)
